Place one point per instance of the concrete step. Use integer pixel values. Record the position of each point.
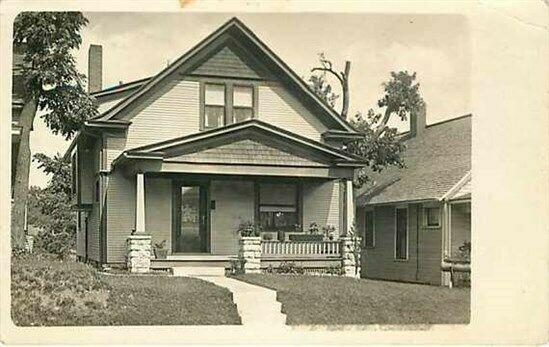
(197, 271)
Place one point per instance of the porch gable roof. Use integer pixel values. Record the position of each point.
(250, 142)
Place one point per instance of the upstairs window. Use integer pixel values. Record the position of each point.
(243, 103)
(214, 106)
(226, 103)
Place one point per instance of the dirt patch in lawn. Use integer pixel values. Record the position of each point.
(59, 293)
(340, 300)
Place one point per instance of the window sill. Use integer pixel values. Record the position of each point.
(431, 227)
(401, 260)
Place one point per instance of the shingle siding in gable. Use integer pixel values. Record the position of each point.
(278, 107)
(246, 152)
(172, 111)
(227, 63)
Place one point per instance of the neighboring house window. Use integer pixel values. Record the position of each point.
(96, 191)
(214, 106)
(369, 229)
(278, 207)
(73, 174)
(432, 217)
(401, 234)
(243, 103)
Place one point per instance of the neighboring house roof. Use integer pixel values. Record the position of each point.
(235, 28)
(436, 160)
(186, 147)
(122, 87)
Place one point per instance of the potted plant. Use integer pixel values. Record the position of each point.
(160, 251)
(313, 234)
(249, 229)
(329, 231)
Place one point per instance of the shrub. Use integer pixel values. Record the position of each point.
(289, 267)
(52, 292)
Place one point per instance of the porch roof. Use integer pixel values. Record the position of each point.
(244, 147)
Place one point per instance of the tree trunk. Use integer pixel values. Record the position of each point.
(345, 90)
(21, 183)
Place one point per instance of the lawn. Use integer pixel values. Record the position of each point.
(340, 300)
(56, 293)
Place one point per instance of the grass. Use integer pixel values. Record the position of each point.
(340, 300)
(47, 292)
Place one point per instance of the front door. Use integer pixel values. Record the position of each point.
(190, 223)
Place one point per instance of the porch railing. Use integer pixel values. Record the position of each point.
(298, 249)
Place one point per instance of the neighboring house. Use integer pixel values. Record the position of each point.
(228, 133)
(412, 219)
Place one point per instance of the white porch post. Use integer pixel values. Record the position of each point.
(138, 245)
(349, 206)
(140, 204)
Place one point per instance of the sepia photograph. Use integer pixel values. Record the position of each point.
(268, 170)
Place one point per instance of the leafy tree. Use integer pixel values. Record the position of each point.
(381, 145)
(52, 84)
(58, 233)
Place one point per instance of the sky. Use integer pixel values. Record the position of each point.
(437, 47)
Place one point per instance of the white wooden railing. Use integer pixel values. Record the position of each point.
(297, 249)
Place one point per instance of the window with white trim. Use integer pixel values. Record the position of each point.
(401, 234)
(431, 217)
(278, 207)
(214, 105)
(243, 103)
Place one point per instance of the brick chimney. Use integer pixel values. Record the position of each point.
(418, 120)
(95, 68)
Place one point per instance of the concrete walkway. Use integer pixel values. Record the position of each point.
(257, 306)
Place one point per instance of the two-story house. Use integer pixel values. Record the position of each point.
(226, 134)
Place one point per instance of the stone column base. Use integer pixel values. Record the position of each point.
(250, 252)
(138, 253)
(350, 256)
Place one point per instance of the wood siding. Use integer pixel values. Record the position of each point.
(171, 111)
(121, 214)
(321, 204)
(93, 233)
(158, 209)
(115, 145)
(423, 263)
(278, 107)
(247, 152)
(234, 202)
(460, 227)
(80, 235)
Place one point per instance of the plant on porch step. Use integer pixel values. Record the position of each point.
(249, 229)
(160, 251)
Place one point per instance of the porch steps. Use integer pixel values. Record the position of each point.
(197, 271)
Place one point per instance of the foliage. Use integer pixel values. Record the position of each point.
(58, 234)
(49, 292)
(335, 270)
(267, 237)
(465, 251)
(35, 216)
(323, 89)
(313, 228)
(290, 268)
(49, 69)
(381, 145)
(160, 245)
(248, 229)
(237, 265)
(329, 231)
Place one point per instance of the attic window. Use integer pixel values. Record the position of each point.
(214, 106)
(243, 103)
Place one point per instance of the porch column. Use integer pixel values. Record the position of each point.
(140, 204)
(349, 206)
(138, 245)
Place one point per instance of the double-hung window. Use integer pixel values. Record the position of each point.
(278, 206)
(243, 103)
(214, 105)
(401, 233)
(226, 103)
(431, 217)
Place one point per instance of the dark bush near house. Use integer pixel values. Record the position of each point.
(289, 267)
